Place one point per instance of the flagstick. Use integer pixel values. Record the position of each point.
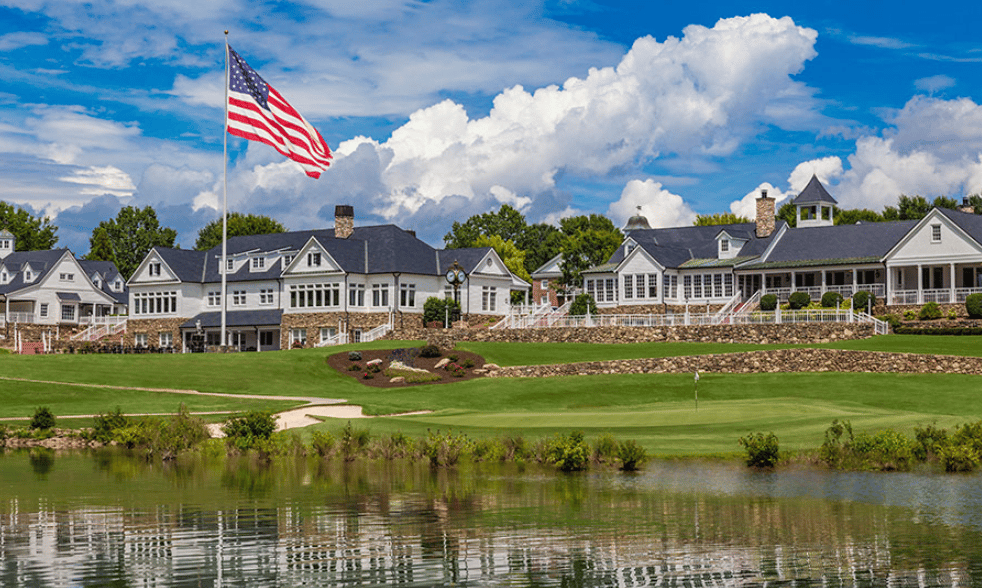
(223, 264)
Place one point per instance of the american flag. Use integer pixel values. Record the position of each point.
(257, 112)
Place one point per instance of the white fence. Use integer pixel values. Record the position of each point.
(103, 326)
(14, 318)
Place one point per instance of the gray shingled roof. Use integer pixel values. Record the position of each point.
(847, 243)
(40, 261)
(676, 246)
(814, 193)
(237, 318)
(968, 222)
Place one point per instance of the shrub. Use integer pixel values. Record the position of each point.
(831, 300)
(394, 446)
(632, 455)
(605, 448)
(958, 458)
(569, 453)
(322, 442)
(969, 434)
(436, 310)
(928, 441)
(515, 448)
(170, 437)
(930, 311)
(952, 314)
(108, 425)
(354, 368)
(768, 302)
(444, 450)
(833, 448)
(910, 315)
(352, 441)
(467, 363)
(973, 305)
(42, 420)
(885, 450)
(891, 319)
(863, 300)
(762, 450)
(354, 356)
(430, 351)
(799, 300)
(581, 304)
(488, 450)
(250, 430)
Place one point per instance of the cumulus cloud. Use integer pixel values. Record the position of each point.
(102, 180)
(658, 205)
(747, 206)
(933, 84)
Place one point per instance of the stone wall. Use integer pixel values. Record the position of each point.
(778, 360)
(787, 333)
(31, 333)
(659, 309)
(152, 328)
(315, 321)
(900, 309)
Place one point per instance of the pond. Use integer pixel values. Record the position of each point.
(110, 520)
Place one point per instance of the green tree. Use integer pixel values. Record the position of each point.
(945, 202)
(101, 246)
(30, 232)
(589, 241)
(507, 223)
(541, 243)
(513, 257)
(720, 218)
(131, 235)
(852, 216)
(912, 207)
(788, 213)
(239, 225)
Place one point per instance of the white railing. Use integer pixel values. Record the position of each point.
(338, 339)
(18, 317)
(547, 318)
(781, 293)
(376, 333)
(903, 297)
(104, 326)
(962, 293)
(519, 313)
(845, 290)
(879, 327)
(723, 313)
(941, 295)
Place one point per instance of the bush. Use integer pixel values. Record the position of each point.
(891, 319)
(322, 442)
(444, 450)
(42, 420)
(108, 425)
(929, 312)
(435, 310)
(958, 458)
(833, 448)
(430, 351)
(762, 450)
(250, 430)
(354, 356)
(831, 300)
(569, 453)
(605, 448)
(632, 455)
(799, 300)
(352, 441)
(768, 302)
(910, 314)
(885, 450)
(581, 304)
(929, 441)
(863, 300)
(973, 306)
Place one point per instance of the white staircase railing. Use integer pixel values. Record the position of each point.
(338, 339)
(879, 327)
(517, 315)
(724, 313)
(102, 327)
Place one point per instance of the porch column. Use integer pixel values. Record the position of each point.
(855, 285)
(259, 344)
(794, 282)
(951, 286)
(823, 281)
(920, 284)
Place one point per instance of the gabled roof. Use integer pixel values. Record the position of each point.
(675, 247)
(40, 262)
(541, 270)
(834, 245)
(968, 222)
(814, 193)
(468, 258)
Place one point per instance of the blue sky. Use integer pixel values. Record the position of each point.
(439, 110)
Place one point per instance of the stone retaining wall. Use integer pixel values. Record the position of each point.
(786, 333)
(152, 329)
(770, 361)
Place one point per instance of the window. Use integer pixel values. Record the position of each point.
(697, 286)
(28, 276)
(670, 287)
(448, 292)
(328, 333)
(717, 285)
(407, 295)
(611, 291)
(314, 259)
(687, 287)
(154, 269)
(68, 312)
(724, 245)
(266, 296)
(488, 295)
(313, 295)
(238, 298)
(591, 289)
(298, 336)
(380, 294)
(5, 244)
(140, 339)
(43, 311)
(639, 286)
(287, 260)
(155, 303)
(166, 338)
(935, 233)
(4, 277)
(66, 277)
(545, 284)
(214, 299)
(356, 295)
(118, 285)
(229, 265)
(258, 263)
(728, 284)
(652, 285)
(628, 287)
(266, 338)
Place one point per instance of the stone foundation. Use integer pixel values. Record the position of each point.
(900, 309)
(778, 360)
(786, 333)
(315, 321)
(659, 309)
(152, 328)
(30, 333)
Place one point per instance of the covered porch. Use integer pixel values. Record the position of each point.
(69, 309)
(246, 330)
(815, 282)
(943, 283)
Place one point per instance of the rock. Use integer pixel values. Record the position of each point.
(442, 363)
(374, 362)
(398, 380)
(480, 371)
(492, 366)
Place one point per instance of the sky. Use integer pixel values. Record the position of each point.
(438, 110)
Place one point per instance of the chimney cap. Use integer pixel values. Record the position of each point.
(763, 192)
(344, 210)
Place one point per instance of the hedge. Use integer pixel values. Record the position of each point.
(938, 330)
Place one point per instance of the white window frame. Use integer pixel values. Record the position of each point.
(165, 339)
(259, 263)
(407, 295)
(153, 269)
(266, 296)
(325, 295)
(936, 233)
(214, 298)
(43, 310)
(140, 340)
(356, 295)
(314, 259)
(328, 333)
(229, 265)
(154, 303)
(299, 334)
(628, 287)
(380, 295)
(489, 295)
(68, 312)
(66, 277)
(238, 297)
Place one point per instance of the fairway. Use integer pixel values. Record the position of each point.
(657, 410)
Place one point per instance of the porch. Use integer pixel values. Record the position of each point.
(71, 311)
(846, 282)
(949, 283)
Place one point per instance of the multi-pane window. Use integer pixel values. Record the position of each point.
(66, 277)
(628, 287)
(448, 292)
(328, 333)
(380, 294)
(717, 285)
(298, 336)
(488, 295)
(935, 233)
(238, 298)
(652, 285)
(687, 287)
(140, 339)
(314, 295)
(229, 264)
(154, 269)
(43, 310)
(314, 259)
(611, 290)
(724, 245)
(258, 263)
(697, 286)
(670, 287)
(155, 303)
(728, 284)
(407, 295)
(214, 298)
(166, 339)
(266, 338)
(266, 296)
(591, 288)
(356, 295)
(639, 286)
(68, 312)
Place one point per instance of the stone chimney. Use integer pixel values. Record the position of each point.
(344, 221)
(765, 215)
(966, 207)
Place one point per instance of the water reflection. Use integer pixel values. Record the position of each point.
(104, 521)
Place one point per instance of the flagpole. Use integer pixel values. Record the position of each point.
(222, 263)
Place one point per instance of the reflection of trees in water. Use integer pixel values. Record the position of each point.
(391, 523)
(42, 460)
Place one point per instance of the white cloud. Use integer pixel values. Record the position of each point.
(17, 40)
(102, 180)
(934, 83)
(658, 205)
(747, 206)
(826, 169)
(881, 42)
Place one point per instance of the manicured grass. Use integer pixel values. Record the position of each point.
(553, 353)
(970, 346)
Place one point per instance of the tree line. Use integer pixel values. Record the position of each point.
(584, 241)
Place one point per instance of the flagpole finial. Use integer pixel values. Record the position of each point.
(226, 32)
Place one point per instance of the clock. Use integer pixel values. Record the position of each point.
(452, 276)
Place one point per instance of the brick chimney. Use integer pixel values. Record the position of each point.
(765, 215)
(966, 207)
(344, 221)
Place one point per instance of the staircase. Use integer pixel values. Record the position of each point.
(105, 327)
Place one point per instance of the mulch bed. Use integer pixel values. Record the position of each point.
(341, 363)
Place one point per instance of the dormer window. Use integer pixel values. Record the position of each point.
(258, 263)
(314, 259)
(229, 264)
(4, 243)
(287, 260)
(628, 248)
(118, 285)
(724, 245)
(154, 269)
(28, 275)
(4, 277)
